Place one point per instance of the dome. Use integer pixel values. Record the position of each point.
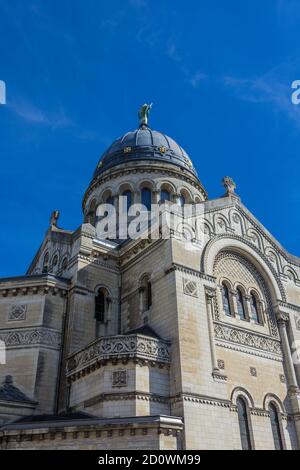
(144, 144)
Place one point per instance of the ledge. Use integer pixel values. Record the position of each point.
(135, 346)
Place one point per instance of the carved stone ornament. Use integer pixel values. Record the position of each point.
(119, 378)
(120, 347)
(17, 312)
(190, 287)
(247, 339)
(31, 336)
(229, 184)
(297, 321)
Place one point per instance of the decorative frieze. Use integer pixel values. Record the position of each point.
(246, 338)
(136, 347)
(30, 337)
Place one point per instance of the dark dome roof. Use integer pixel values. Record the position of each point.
(144, 144)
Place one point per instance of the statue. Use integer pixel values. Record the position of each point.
(54, 218)
(229, 185)
(144, 114)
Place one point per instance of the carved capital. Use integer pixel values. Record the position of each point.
(282, 317)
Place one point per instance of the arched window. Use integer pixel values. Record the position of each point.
(181, 200)
(275, 427)
(54, 261)
(254, 308)
(145, 294)
(240, 305)
(165, 195)
(110, 200)
(148, 294)
(128, 196)
(100, 306)
(226, 300)
(244, 424)
(91, 215)
(46, 263)
(146, 198)
(64, 263)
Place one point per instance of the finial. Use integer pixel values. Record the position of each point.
(54, 218)
(144, 114)
(229, 185)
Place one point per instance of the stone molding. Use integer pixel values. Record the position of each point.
(90, 428)
(118, 172)
(41, 289)
(203, 399)
(242, 212)
(124, 347)
(193, 272)
(41, 336)
(124, 396)
(288, 306)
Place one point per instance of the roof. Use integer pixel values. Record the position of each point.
(145, 330)
(144, 144)
(8, 392)
(53, 417)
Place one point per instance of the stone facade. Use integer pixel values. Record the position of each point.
(222, 327)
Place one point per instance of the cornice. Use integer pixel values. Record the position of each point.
(143, 350)
(191, 271)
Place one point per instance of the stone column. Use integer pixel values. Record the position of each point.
(155, 196)
(210, 294)
(290, 370)
(293, 389)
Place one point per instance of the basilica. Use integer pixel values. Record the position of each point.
(186, 341)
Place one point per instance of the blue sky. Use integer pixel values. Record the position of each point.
(219, 74)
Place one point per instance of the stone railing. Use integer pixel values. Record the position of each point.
(119, 347)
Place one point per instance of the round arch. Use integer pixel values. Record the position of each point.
(272, 398)
(241, 392)
(238, 245)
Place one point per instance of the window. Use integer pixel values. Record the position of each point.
(226, 300)
(46, 263)
(100, 306)
(55, 261)
(181, 200)
(64, 263)
(148, 294)
(275, 427)
(91, 215)
(164, 195)
(254, 308)
(240, 305)
(146, 198)
(128, 196)
(110, 200)
(244, 424)
(145, 294)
